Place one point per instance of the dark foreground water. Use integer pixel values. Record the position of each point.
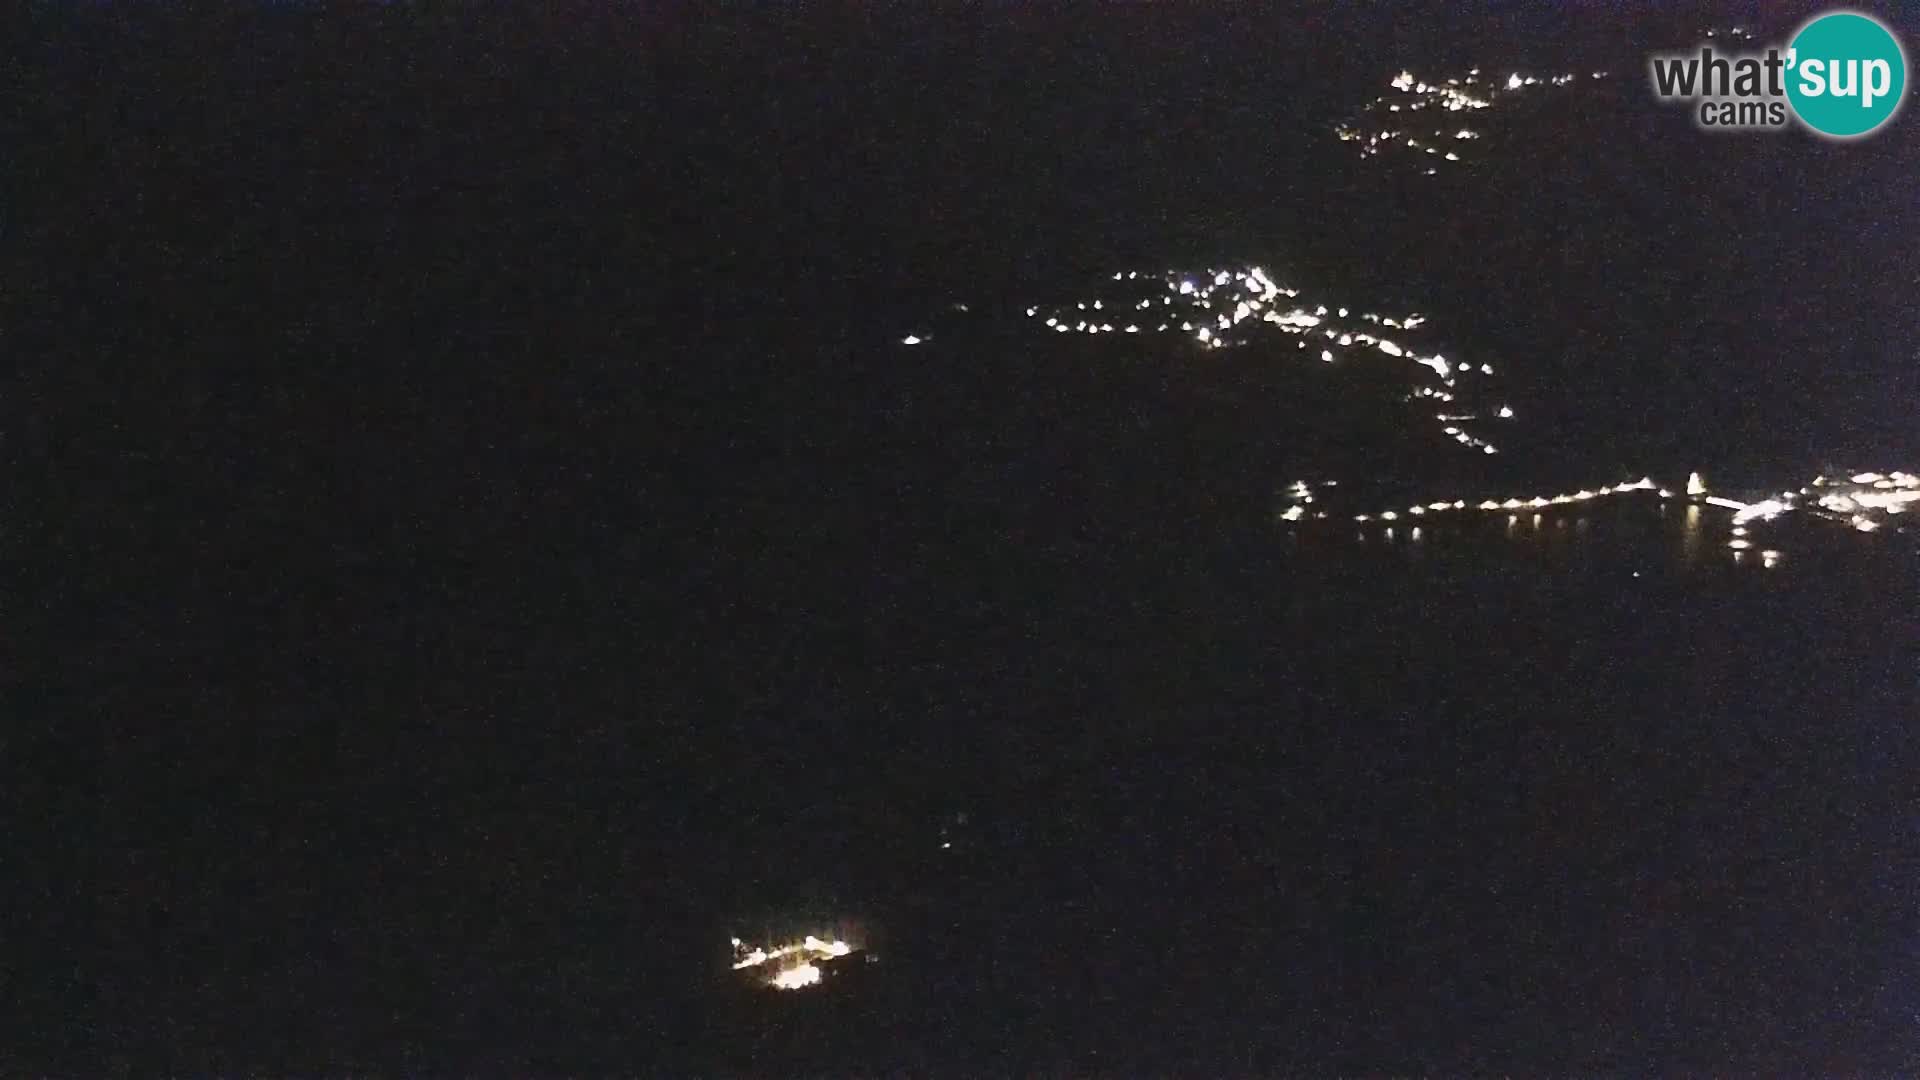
(1589, 795)
(480, 546)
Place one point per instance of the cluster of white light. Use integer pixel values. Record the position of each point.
(1737, 33)
(1225, 308)
(1859, 500)
(1764, 510)
(1376, 134)
(1302, 495)
(1518, 502)
(1866, 499)
(794, 975)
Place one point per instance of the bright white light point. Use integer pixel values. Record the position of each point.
(1205, 334)
(1696, 485)
(1490, 450)
(1866, 478)
(912, 339)
(1222, 278)
(1506, 413)
(812, 944)
(1186, 288)
(794, 978)
(1739, 545)
(1391, 349)
(1326, 355)
(1765, 510)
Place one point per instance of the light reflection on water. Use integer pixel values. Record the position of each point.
(1632, 536)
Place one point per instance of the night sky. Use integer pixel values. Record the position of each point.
(478, 541)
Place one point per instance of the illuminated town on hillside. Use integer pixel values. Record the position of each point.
(1224, 308)
(1227, 308)
(1430, 122)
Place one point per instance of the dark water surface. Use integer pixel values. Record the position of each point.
(480, 542)
(1591, 792)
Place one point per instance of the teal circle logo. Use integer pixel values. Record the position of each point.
(1846, 74)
